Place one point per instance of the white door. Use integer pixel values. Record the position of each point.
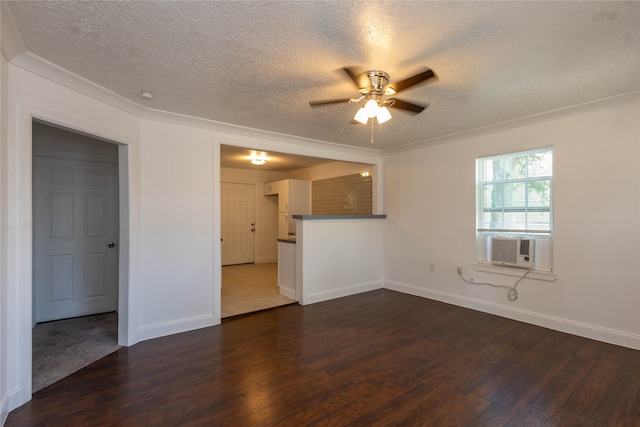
(75, 238)
(238, 223)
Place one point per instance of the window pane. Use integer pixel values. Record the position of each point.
(494, 169)
(493, 220)
(515, 195)
(539, 221)
(493, 195)
(540, 164)
(516, 167)
(515, 220)
(539, 192)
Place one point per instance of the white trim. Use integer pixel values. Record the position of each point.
(287, 292)
(54, 73)
(599, 104)
(314, 297)
(175, 327)
(611, 336)
(50, 71)
(4, 409)
(9, 401)
(217, 233)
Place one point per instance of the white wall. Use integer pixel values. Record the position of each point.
(170, 211)
(176, 282)
(266, 208)
(431, 220)
(338, 257)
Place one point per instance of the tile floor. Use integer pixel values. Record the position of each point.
(250, 287)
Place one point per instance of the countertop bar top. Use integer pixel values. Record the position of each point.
(308, 217)
(287, 240)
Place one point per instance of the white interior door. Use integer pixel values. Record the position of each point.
(238, 223)
(75, 238)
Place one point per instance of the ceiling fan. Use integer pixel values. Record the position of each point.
(374, 87)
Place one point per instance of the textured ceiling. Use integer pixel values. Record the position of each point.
(238, 158)
(257, 64)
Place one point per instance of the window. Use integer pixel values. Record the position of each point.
(515, 193)
(515, 201)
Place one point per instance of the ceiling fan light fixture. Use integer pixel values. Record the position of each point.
(361, 116)
(371, 108)
(383, 115)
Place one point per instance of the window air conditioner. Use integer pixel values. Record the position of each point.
(511, 252)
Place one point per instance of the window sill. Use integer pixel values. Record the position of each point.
(544, 275)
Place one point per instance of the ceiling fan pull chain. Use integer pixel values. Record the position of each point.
(372, 131)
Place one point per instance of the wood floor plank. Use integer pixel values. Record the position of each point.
(378, 358)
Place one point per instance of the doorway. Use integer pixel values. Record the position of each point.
(247, 286)
(75, 244)
(238, 223)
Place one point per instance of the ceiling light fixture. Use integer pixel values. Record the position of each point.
(372, 108)
(258, 159)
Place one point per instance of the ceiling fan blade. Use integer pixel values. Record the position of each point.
(413, 80)
(406, 106)
(360, 80)
(329, 101)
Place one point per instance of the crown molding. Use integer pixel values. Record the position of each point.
(237, 135)
(12, 44)
(599, 104)
(45, 69)
(50, 71)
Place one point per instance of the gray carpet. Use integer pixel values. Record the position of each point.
(62, 347)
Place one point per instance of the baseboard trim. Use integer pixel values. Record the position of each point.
(4, 409)
(11, 401)
(314, 297)
(176, 327)
(598, 333)
(287, 292)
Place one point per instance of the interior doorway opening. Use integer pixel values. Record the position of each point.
(236, 167)
(76, 233)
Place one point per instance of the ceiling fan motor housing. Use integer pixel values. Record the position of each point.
(378, 79)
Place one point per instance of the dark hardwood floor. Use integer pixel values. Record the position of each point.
(379, 358)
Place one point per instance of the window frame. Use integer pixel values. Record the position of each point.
(543, 245)
(480, 209)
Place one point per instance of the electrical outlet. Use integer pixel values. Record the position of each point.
(432, 268)
(459, 269)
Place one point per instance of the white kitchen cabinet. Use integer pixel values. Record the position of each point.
(283, 225)
(283, 196)
(271, 188)
(294, 198)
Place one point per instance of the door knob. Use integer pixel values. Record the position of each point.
(111, 245)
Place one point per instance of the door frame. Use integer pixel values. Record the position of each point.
(20, 264)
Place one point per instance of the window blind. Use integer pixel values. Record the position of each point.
(515, 192)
